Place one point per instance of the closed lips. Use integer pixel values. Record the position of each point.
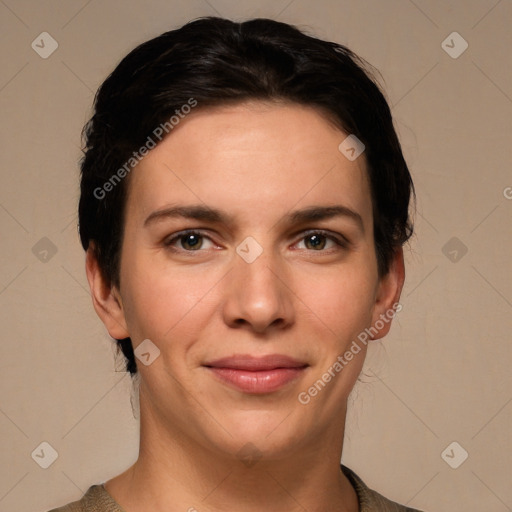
(250, 363)
(261, 375)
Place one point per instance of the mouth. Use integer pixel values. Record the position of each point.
(257, 375)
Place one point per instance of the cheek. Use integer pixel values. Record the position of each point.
(163, 304)
(341, 305)
(342, 300)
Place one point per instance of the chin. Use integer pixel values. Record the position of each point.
(261, 435)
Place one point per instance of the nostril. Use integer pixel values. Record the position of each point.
(277, 322)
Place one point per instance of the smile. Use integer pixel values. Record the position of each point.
(257, 375)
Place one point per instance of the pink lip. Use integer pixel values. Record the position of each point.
(257, 375)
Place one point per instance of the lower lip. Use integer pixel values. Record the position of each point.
(258, 382)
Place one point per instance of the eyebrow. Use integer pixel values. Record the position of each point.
(317, 213)
(197, 212)
(204, 213)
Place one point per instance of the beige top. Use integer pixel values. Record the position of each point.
(97, 499)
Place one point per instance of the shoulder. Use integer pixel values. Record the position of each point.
(96, 499)
(372, 501)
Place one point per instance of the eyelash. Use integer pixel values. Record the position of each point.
(342, 242)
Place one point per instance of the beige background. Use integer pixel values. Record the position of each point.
(442, 375)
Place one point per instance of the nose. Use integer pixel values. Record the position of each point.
(258, 296)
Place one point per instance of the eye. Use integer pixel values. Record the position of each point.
(189, 241)
(319, 241)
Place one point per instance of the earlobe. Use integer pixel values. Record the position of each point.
(105, 298)
(388, 295)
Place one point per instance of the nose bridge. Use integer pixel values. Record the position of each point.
(256, 270)
(258, 295)
(260, 276)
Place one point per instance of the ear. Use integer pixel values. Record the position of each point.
(105, 297)
(388, 296)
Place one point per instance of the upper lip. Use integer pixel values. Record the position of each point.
(252, 363)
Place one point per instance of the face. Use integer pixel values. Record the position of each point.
(248, 261)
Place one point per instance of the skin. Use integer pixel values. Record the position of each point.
(256, 162)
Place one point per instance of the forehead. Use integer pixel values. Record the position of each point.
(256, 155)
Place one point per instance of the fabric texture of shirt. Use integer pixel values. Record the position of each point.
(97, 499)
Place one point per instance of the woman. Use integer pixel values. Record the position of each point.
(244, 203)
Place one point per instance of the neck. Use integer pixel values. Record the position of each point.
(175, 472)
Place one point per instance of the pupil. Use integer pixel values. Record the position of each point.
(316, 241)
(192, 240)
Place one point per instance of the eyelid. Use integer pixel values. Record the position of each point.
(337, 238)
(171, 239)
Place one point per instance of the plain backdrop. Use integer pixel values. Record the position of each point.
(441, 376)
